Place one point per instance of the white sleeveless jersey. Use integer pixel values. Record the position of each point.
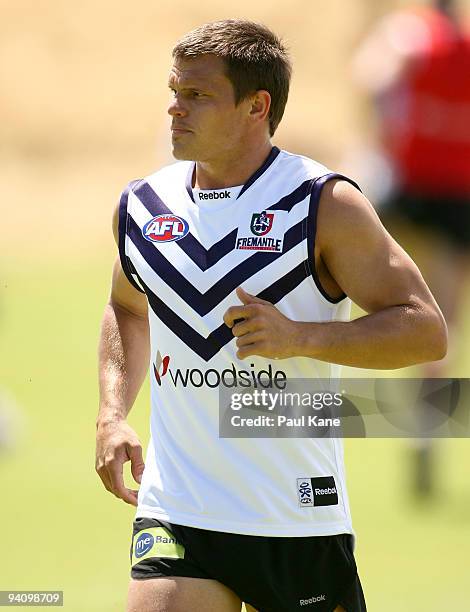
(188, 250)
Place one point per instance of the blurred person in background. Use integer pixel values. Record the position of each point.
(415, 64)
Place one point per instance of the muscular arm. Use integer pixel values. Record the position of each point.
(404, 325)
(123, 362)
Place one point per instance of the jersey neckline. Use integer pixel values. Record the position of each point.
(253, 178)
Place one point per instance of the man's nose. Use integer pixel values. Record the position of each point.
(176, 109)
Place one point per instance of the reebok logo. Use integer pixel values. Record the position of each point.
(312, 600)
(325, 491)
(320, 491)
(214, 195)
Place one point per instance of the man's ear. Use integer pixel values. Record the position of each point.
(260, 105)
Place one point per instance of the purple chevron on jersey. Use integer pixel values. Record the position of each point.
(203, 303)
(206, 348)
(206, 258)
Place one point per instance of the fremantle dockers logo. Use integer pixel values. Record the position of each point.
(261, 223)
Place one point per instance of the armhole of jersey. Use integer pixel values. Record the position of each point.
(315, 194)
(122, 232)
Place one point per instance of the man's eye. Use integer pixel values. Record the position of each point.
(188, 93)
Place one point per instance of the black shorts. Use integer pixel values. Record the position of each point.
(447, 216)
(273, 574)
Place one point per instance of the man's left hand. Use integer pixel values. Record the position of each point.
(262, 330)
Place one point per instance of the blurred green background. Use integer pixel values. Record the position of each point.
(83, 112)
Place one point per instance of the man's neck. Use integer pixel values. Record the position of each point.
(230, 172)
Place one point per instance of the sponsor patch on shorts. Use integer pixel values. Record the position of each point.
(155, 542)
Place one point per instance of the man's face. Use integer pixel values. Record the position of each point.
(206, 124)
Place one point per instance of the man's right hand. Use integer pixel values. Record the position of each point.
(116, 443)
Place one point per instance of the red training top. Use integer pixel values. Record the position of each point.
(427, 114)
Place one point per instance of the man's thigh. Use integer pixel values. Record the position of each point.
(178, 594)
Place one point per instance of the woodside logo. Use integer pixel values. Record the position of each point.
(213, 378)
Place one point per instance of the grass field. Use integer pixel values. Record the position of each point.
(61, 530)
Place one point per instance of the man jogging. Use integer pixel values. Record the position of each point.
(243, 258)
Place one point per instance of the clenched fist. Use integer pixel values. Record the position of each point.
(261, 329)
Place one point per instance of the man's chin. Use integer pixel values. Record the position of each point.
(189, 153)
(182, 154)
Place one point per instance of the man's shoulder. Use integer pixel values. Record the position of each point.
(168, 174)
(301, 163)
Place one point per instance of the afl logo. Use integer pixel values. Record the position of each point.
(144, 543)
(165, 228)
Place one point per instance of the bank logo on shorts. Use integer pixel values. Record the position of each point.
(144, 544)
(155, 542)
(165, 228)
(320, 491)
(263, 231)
